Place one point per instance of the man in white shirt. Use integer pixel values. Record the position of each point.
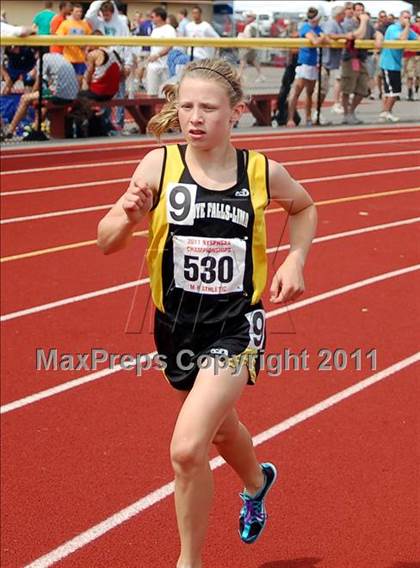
(157, 69)
(199, 28)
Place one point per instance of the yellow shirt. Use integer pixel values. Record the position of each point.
(74, 53)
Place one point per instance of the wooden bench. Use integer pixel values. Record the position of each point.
(143, 107)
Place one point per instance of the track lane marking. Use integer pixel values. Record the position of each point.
(120, 180)
(154, 497)
(152, 143)
(69, 246)
(270, 148)
(63, 387)
(126, 285)
(38, 216)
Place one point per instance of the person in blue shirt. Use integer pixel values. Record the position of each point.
(306, 70)
(391, 64)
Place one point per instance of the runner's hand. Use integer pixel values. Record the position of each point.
(137, 201)
(288, 283)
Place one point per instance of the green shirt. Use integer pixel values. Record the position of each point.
(42, 20)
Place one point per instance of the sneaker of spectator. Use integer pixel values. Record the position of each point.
(388, 117)
(337, 108)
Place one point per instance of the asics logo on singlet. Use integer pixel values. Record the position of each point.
(242, 192)
(218, 351)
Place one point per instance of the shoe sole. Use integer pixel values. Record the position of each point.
(266, 493)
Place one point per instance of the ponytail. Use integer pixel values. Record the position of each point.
(167, 118)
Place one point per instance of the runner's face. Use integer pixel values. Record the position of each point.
(204, 112)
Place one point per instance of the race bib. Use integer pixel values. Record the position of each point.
(180, 203)
(209, 265)
(256, 328)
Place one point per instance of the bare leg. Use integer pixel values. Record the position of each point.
(357, 99)
(309, 85)
(21, 110)
(346, 100)
(234, 444)
(337, 91)
(297, 90)
(204, 410)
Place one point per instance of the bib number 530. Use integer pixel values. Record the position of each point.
(208, 269)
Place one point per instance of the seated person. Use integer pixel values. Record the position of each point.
(59, 81)
(20, 62)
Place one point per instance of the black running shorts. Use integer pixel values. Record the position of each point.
(234, 342)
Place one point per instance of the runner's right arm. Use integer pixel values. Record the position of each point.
(115, 230)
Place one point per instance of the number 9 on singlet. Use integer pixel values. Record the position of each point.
(180, 203)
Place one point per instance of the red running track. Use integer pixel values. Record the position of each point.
(73, 459)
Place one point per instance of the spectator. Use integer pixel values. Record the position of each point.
(183, 21)
(287, 79)
(249, 56)
(42, 19)
(104, 17)
(391, 63)
(20, 62)
(64, 11)
(331, 61)
(7, 30)
(102, 78)
(306, 71)
(354, 73)
(60, 82)
(76, 26)
(157, 69)
(411, 69)
(201, 29)
(382, 22)
(145, 29)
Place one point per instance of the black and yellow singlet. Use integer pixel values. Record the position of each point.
(207, 248)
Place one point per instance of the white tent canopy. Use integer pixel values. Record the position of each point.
(300, 7)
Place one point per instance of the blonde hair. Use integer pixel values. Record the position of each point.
(217, 70)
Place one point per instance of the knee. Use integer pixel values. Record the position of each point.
(187, 455)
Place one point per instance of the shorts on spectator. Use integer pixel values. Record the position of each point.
(328, 76)
(15, 74)
(412, 67)
(308, 72)
(392, 83)
(249, 55)
(354, 82)
(79, 68)
(371, 65)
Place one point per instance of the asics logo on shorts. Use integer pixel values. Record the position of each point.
(242, 192)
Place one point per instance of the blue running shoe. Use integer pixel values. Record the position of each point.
(253, 516)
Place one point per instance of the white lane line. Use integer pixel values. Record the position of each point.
(291, 163)
(126, 285)
(54, 214)
(363, 174)
(270, 148)
(10, 153)
(20, 403)
(74, 299)
(9, 220)
(117, 519)
(68, 186)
